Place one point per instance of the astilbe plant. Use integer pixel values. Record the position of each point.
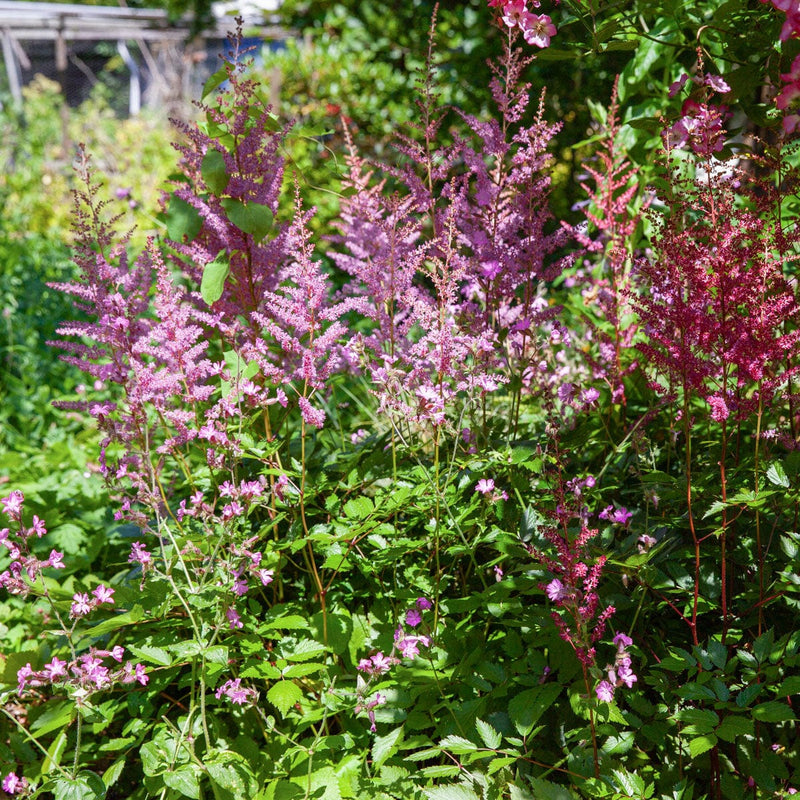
(457, 263)
(607, 239)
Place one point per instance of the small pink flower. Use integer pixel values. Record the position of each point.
(55, 560)
(103, 594)
(604, 691)
(413, 618)
(423, 604)
(514, 13)
(556, 590)
(234, 619)
(484, 486)
(55, 669)
(12, 784)
(81, 605)
(12, 505)
(140, 555)
(538, 30)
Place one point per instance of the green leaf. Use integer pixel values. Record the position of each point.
(545, 790)
(215, 80)
(85, 786)
(231, 775)
(702, 720)
(776, 475)
(458, 745)
(774, 711)
(385, 746)
(214, 173)
(789, 686)
(253, 218)
(701, 744)
(527, 707)
(491, 738)
(283, 695)
(733, 726)
(55, 717)
(68, 537)
(441, 771)
(183, 220)
(454, 792)
(358, 507)
(291, 622)
(301, 670)
(118, 621)
(151, 654)
(213, 281)
(54, 753)
(496, 764)
(184, 780)
(718, 653)
(111, 775)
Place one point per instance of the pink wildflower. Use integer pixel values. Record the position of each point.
(103, 594)
(538, 30)
(484, 486)
(604, 691)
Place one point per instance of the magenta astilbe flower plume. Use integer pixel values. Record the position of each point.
(715, 302)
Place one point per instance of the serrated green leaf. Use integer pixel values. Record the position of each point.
(702, 720)
(358, 507)
(496, 764)
(776, 475)
(151, 654)
(301, 670)
(545, 790)
(283, 695)
(491, 738)
(54, 717)
(183, 220)
(733, 726)
(111, 775)
(69, 538)
(231, 775)
(212, 283)
(386, 746)
(218, 654)
(214, 172)
(701, 744)
(748, 694)
(84, 786)
(184, 780)
(789, 686)
(718, 654)
(527, 707)
(441, 771)
(454, 792)
(773, 711)
(290, 622)
(253, 218)
(457, 745)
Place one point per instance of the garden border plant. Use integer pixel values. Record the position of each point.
(506, 509)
